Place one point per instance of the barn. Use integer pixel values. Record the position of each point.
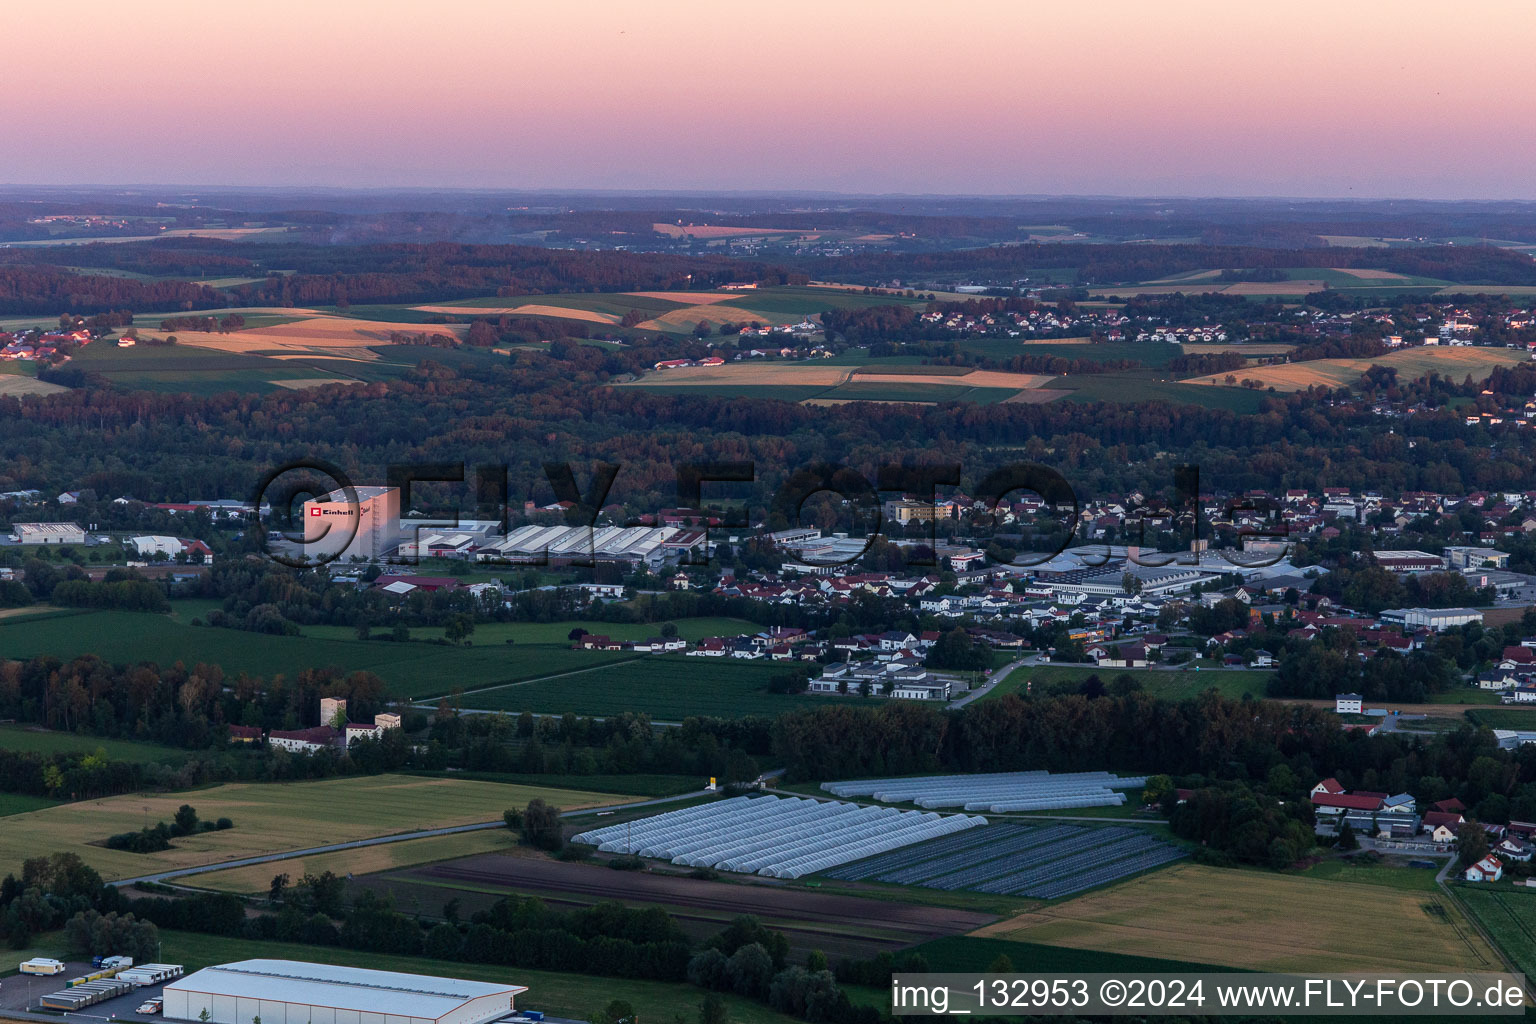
(296, 992)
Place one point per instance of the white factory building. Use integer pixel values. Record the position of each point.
(47, 533)
(363, 523)
(295, 992)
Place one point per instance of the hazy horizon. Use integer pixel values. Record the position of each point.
(1210, 100)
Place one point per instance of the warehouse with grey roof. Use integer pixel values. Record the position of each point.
(296, 992)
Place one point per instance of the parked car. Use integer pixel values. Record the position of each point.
(150, 1006)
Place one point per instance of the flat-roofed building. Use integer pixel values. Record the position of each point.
(364, 523)
(296, 992)
(47, 533)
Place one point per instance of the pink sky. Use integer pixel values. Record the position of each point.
(1181, 97)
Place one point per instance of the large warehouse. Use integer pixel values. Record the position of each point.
(295, 992)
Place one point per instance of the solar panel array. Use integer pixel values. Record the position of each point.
(775, 836)
(997, 793)
(1040, 862)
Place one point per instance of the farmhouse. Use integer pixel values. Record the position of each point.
(1489, 869)
(293, 992)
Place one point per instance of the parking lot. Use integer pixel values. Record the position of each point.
(20, 991)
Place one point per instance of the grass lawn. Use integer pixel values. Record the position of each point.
(411, 670)
(1168, 685)
(566, 995)
(1395, 876)
(47, 741)
(270, 818)
(1509, 915)
(1260, 921)
(667, 687)
(21, 803)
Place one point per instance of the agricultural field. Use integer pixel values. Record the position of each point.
(269, 818)
(1142, 386)
(1410, 364)
(34, 739)
(667, 687)
(414, 670)
(21, 803)
(1165, 684)
(1260, 921)
(256, 879)
(578, 996)
(837, 382)
(19, 384)
(543, 633)
(1504, 718)
(1509, 915)
(838, 925)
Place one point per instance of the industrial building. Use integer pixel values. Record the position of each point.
(653, 545)
(363, 523)
(295, 992)
(47, 533)
(1437, 619)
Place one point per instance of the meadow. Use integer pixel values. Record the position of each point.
(1260, 921)
(666, 687)
(412, 670)
(270, 818)
(1179, 684)
(32, 739)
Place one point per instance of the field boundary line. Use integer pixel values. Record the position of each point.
(524, 682)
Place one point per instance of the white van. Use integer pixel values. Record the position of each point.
(42, 965)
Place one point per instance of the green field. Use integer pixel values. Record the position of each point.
(907, 391)
(1162, 683)
(188, 368)
(568, 995)
(20, 803)
(666, 687)
(558, 633)
(1504, 718)
(1509, 915)
(46, 741)
(412, 669)
(1143, 387)
(1396, 877)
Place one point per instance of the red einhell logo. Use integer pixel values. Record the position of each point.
(322, 510)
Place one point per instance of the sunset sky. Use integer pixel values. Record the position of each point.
(1363, 99)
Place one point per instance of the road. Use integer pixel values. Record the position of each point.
(166, 876)
(996, 677)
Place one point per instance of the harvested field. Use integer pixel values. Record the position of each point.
(1274, 287)
(302, 383)
(1037, 396)
(335, 337)
(837, 925)
(722, 231)
(761, 374)
(15, 384)
(1200, 348)
(1371, 275)
(975, 379)
(1261, 921)
(1411, 365)
(270, 818)
(530, 309)
(716, 313)
(255, 878)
